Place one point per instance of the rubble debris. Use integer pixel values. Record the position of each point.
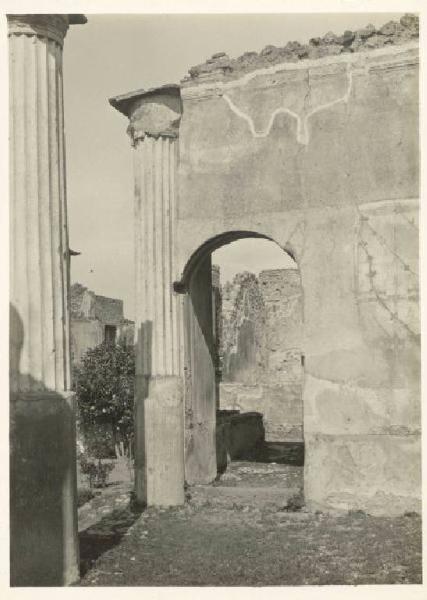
(365, 39)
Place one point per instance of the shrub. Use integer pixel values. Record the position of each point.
(104, 384)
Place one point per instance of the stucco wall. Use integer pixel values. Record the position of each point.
(322, 157)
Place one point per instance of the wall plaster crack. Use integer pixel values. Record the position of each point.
(302, 133)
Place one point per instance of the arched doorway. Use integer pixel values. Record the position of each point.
(261, 367)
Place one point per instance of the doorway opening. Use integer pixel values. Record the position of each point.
(244, 369)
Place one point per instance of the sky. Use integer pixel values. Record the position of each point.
(115, 54)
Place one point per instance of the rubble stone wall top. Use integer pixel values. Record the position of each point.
(361, 40)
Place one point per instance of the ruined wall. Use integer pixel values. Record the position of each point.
(108, 310)
(85, 334)
(126, 333)
(261, 350)
(321, 155)
(90, 314)
(331, 44)
(243, 348)
(281, 292)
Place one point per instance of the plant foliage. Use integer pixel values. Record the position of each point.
(104, 383)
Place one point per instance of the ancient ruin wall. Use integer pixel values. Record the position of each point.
(321, 155)
(362, 40)
(261, 350)
(90, 313)
(281, 292)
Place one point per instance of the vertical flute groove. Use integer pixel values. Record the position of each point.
(32, 194)
(158, 262)
(137, 260)
(64, 254)
(148, 309)
(167, 254)
(21, 297)
(173, 156)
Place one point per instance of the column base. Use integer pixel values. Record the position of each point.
(43, 500)
(159, 447)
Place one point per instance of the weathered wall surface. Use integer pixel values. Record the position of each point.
(86, 304)
(261, 350)
(108, 310)
(281, 292)
(85, 334)
(243, 348)
(280, 405)
(322, 157)
(90, 313)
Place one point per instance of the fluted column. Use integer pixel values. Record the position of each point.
(44, 549)
(155, 217)
(159, 415)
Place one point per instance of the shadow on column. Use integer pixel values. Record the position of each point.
(43, 513)
(142, 377)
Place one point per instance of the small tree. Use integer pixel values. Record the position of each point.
(104, 383)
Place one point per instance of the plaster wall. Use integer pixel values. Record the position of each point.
(322, 157)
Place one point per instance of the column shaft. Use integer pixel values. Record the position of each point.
(44, 542)
(155, 161)
(39, 244)
(159, 468)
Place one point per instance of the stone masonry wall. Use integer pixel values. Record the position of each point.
(261, 350)
(108, 310)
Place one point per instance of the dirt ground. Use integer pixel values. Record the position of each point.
(239, 533)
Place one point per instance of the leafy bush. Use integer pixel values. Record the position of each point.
(96, 471)
(104, 384)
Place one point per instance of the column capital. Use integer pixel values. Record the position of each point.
(155, 112)
(52, 26)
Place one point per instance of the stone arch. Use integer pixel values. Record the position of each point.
(217, 241)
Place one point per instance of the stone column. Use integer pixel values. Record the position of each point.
(43, 520)
(159, 414)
